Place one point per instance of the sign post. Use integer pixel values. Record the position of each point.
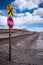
(10, 25)
(9, 44)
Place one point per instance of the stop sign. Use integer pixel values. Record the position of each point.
(10, 22)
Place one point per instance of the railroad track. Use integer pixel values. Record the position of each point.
(14, 35)
(4, 38)
(21, 48)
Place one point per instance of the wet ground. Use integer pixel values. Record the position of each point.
(26, 50)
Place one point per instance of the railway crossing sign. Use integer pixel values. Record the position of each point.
(10, 10)
(10, 23)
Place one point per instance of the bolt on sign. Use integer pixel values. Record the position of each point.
(10, 10)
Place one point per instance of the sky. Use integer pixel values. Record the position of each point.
(28, 14)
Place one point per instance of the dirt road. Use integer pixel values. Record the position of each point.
(26, 50)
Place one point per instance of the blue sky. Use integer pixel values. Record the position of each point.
(28, 14)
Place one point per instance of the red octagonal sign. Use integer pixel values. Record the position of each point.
(10, 22)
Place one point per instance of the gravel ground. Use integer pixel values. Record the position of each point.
(23, 52)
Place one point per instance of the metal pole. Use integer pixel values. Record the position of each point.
(9, 44)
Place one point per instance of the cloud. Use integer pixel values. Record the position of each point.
(3, 20)
(24, 18)
(37, 29)
(18, 23)
(38, 12)
(28, 19)
(21, 27)
(3, 12)
(25, 4)
(19, 14)
(37, 1)
(0, 11)
(37, 19)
